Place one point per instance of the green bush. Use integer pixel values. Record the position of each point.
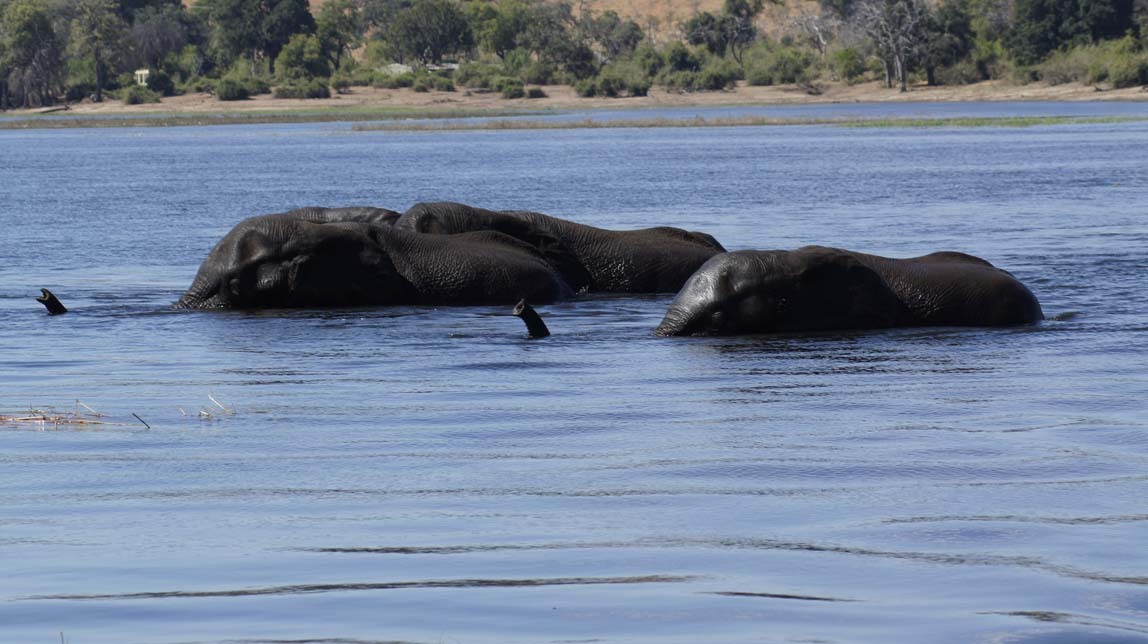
(340, 83)
(847, 65)
(302, 58)
(477, 75)
(441, 84)
(680, 58)
(717, 74)
(539, 73)
(362, 77)
(137, 94)
(229, 89)
(161, 83)
(513, 88)
(649, 59)
(312, 89)
(199, 84)
(1074, 65)
(1120, 63)
(678, 80)
(781, 66)
(964, 72)
(421, 85)
(586, 88)
(1128, 71)
(79, 92)
(535, 92)
(623, 77)
(387, 81)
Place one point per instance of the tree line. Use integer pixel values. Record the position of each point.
(69, 50)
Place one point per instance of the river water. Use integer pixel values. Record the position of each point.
(430, 475)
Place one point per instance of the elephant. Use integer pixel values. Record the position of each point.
(318, 257)
(590, 259)
(817, 288)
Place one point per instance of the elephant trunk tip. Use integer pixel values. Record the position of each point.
(51, 302)
(534, 324)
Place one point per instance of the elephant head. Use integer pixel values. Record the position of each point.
(772, 291)
(817, 288)
(319, 258)
(297, 259)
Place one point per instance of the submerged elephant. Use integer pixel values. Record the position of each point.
(818, 288)
(650, 260)
(317, 257)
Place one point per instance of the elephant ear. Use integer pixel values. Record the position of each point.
(252, 249)
(845, 293)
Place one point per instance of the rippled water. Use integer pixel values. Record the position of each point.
(430, 475)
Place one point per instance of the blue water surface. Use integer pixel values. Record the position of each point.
(430, 475)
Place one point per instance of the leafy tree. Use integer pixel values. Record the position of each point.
(255, 28)
(616, 36)
(430, 30)
(157, 33)
(897, 28)
(303, 59)
(98, 32)
(129, 9)
(499, 28)
(234, 26)
(339, 26)
(948, 37)
(1043, 26)
(732, 30)
(34, 52)
(707, 30)
(282, 19)
(378, 14)
(547, 34)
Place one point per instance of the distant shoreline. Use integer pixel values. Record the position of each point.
(373, 104)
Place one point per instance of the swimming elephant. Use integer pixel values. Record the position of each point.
(817, 288)
(650, 260)
(319, 257)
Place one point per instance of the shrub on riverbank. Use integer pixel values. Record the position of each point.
(1121, 63)
(311, 89)
(138, 94)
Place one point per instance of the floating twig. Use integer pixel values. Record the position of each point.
(220, 405)
(141, 420)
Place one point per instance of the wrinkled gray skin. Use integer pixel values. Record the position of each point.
(650, 260)
(817, 288)
(317, 257)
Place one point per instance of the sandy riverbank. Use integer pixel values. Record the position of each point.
(364, 101)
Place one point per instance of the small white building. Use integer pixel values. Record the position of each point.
(142, 76)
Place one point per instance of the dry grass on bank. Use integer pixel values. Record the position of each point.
(367, 103)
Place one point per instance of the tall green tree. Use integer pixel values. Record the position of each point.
(732, 30)
(948, 37)
(303, 59)
(430, 30)
(281, 20)
(255, 28)
(34, 52)
(157, 33)
(499, 28)
(1043, 26)
(339, 27)
(614, 35)
(98, 32)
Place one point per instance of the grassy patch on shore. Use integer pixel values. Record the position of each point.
(316, 115)
(414, 119)
(745, 121)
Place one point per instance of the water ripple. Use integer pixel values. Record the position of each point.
(302, 589)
